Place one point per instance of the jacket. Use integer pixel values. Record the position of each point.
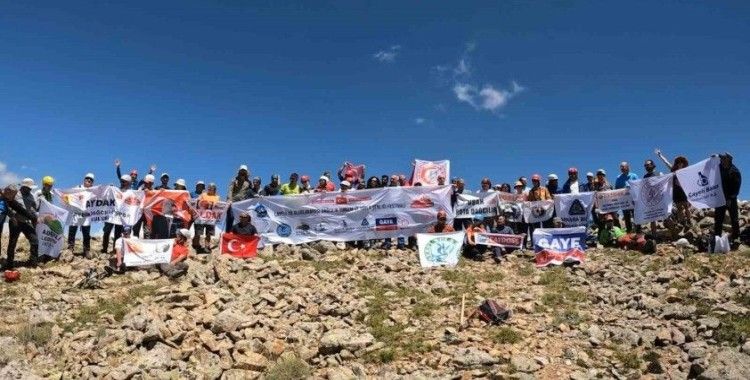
(238, 190)
(731, 180)
(539, 194)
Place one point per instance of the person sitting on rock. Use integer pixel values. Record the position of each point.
(244, 227)
(474, 250)
(609, 234)
(117, 266)
(441, 225)
(177, 266)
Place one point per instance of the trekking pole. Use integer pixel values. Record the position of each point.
(463, 304)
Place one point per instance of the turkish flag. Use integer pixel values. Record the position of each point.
(240, 246)
(168, 203)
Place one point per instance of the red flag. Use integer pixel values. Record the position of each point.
(240, 246)
(167, 203)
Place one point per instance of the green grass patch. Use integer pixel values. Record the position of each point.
(628, 358)
(505, 335)
(734, 329)
(319, 266)
(526, 270)
(381, 301)
(39, 335)
(569, 317)
(559, 292)
(116, 306)
(291, 368)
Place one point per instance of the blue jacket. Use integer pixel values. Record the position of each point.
(622, 181)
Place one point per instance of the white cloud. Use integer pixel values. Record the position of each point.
(7, 177)
(387, 55)
(420, 121)
(462, 68)
(488, 98)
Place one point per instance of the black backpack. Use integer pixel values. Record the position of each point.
(492, 312)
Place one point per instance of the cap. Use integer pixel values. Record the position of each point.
(601, 171)
(727, 155)
(89, 175)
(211, 185)
(275, 176)
(165, 174)
(180, 182)
(148, 178)
(244, 214)
(572, 170)
(536, 177)
(125, 177)
(184, 232)
(305, 178)
(295, 175)
(200, 183)
(478, 217)
(256, 179)
(48, 180)
(324, 178)
(589, 174)
(346, 183)
(242, 167)
(28, 182)
(518, 184)
(552, 176)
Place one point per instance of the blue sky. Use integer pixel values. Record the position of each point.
(501, 90)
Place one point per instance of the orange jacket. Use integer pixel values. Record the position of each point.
(539, 194)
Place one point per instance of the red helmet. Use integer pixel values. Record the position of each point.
(536, 177)
(572, 170)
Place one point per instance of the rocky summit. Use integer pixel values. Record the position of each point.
(322, 312)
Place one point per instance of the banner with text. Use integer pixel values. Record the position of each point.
(538, 211)
(128, 207)
(702, 183)
(470, 204)
(511, 206)
(139, 252)
(499, 240)
(88, 204)
(427, 172)
(613, 201)
(574, 209)
(652, 197)
(209, 213)
(557, 246)
(439, 249)
(349, 216)
(50, 228)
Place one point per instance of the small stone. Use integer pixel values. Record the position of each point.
(524, 364)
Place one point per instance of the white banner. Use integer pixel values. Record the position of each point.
(652, 197)
(468, 205)
(499, 240)
(139, 252)
(613, 200)
(50, 228)
(511, 206)
(702, 183)
(538, 211)
(440, 249)
(128, 207)
(574, 209)
(427, 172)
(89, 204)
(350, 216)
(208, 213)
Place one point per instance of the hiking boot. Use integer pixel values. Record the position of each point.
(87, 254)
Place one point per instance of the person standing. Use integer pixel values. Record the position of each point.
(205, 201)
(239, 190)
(200, 187)
(459, 188)
(134, 183)
(82, 221)
(621, 183)
(164, 182)
(538, 193)
(571, 186)
(45, 192)
(273, 188)
(731, 181)
(147, 184)
(650, 172)
(291, 188)
(108, 226)
(21, 220)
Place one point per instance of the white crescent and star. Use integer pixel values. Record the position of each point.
(232, 248)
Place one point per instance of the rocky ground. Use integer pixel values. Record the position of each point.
(322, 312)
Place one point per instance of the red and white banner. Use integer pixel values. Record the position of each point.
(538, 211)
(209, 213)
(499, 240)
(168, 203)
(550, 257)
(427, 172)
(240, 246)
(137, 252)
(128, 207)
(511, 206)
(613, 200)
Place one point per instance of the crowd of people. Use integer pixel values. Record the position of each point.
(19, 205)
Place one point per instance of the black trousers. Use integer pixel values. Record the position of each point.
(719, 215)
(461, 224)
(137, 228)
(628, 215)
(85, 231)
(16, 229)
(107, 231)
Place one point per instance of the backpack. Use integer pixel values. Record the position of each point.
(492, 312)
